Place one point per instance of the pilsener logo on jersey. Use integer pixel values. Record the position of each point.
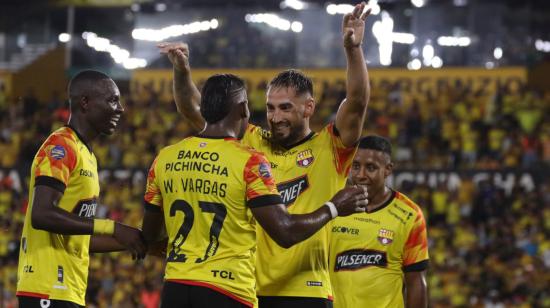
(86, 208)
(355, 259)
(290, 190)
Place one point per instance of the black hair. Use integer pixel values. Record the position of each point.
(217, 94)
(295, 79)
(83, 82)
(377, 143)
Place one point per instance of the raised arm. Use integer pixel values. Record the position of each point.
(47, 216)
(186, 94)
(288, 229)
(352, 111)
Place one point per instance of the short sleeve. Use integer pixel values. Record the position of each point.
(153, 196)
(261, 189)
(55, 161)
(343, 156)
(415, 255)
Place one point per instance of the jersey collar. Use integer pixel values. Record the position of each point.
(385, 204)
(80, 137)
(306, 138)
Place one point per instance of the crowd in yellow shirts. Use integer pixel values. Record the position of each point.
(486, 246)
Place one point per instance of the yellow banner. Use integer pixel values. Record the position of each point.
(479, 81)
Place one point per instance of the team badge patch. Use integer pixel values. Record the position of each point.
(57, 152)
(264, 170)
(304, 158)
(385, 237)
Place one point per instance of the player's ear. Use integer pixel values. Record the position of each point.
(309, 107)
(83, 103)
(244, 112)
(388, 170)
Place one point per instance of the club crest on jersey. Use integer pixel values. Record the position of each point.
(305, 158)
(264, 170)
(385, 237)
(57, 152)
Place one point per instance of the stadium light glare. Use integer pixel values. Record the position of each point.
(296, 26)
(403, 38)
(160, 7)
(437, 62)
(497, 53)
(489, 65)
(293, 4)
(119, 55)
(428, 53)
(383, 32)
(455, 41)
(543, 46)
(274, 21)
(414, 65)
(64, 37)
(418, 3)
(157, 35)
(345, 8)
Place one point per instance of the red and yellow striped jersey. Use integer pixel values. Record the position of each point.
(55, 266)
(369, 252)
(205, 188)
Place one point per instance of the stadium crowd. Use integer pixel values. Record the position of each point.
(487, 248)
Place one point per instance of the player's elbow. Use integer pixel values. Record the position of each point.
(285, 242)
(39, 221)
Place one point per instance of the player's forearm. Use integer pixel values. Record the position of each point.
(298, 228)
(187, 98)
(105, 243)
(357, 78)
(56, 220)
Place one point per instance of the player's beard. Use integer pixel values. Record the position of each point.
(294, 135)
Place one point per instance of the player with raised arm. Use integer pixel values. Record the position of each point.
(208, 191)
(309, 167)
(60, 230)
(373, 255)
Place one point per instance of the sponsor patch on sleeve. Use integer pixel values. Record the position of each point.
(57, 152)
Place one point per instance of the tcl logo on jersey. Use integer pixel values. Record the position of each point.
(86, 208)
(290, 190)
(305, 158)
(385, 237)
(352, 260)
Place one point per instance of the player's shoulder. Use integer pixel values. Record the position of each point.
(258, 132)
(62, 135)
(247, 150)
(406, 203)
(59, 143)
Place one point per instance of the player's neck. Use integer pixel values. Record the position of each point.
(218, 130)
(82, 129)
(379, 199)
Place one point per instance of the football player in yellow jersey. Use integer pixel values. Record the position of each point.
(207, 191)
(309, 166)
(60, 230)
(373, 254)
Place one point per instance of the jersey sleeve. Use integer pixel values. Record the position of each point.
(253, 136)
(55, 161)
(261, 189)
(343, 156)
(153, 196)
(415, 255)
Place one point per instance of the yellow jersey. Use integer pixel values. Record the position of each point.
(308, 174)
(369, 252)
(205, 188)
(55, 266)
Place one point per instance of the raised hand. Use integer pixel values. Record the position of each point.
(351, 200)
(353, 26)
(178, 53)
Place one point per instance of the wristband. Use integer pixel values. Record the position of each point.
(104, 227)
(332, 208)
